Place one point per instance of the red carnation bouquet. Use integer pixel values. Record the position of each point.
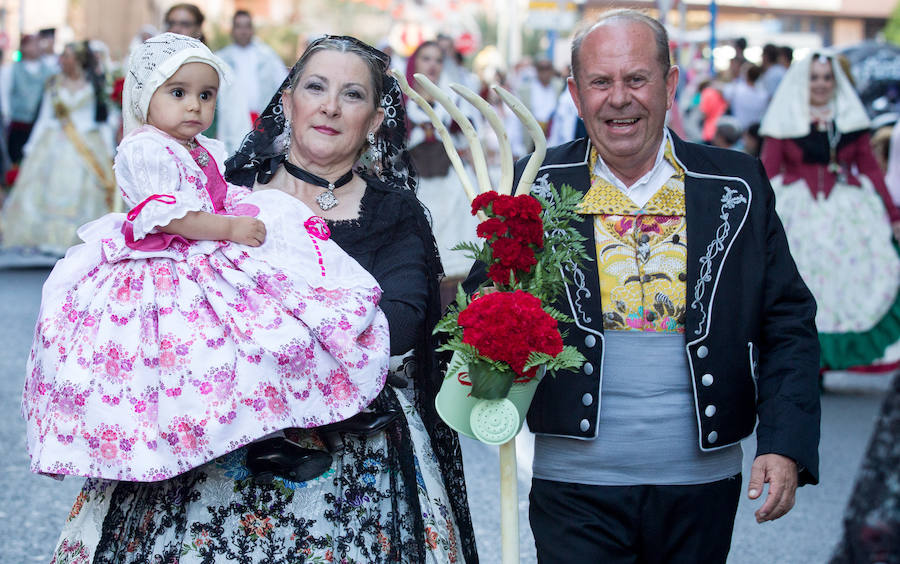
(506, 333)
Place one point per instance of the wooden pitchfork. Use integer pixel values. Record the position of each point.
(509, 499)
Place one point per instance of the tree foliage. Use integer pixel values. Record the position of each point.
(892, 30)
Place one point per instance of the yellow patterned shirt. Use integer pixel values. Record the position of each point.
(641, 253)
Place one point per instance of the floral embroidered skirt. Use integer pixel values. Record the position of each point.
(844, 251)
(216, 513)
(872, 518)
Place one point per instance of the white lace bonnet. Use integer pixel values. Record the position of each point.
(788, 115)
(153, 63)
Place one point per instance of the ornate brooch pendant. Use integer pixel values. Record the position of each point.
(326, 200)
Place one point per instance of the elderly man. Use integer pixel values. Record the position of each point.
(692, 317)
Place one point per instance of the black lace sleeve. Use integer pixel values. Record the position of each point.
(401, 270)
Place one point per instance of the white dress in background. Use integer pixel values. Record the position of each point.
(57, 190)
(837, 212)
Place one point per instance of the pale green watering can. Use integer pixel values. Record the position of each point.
(491, 421)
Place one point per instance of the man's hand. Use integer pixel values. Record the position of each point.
(247, 231)
(780, 472)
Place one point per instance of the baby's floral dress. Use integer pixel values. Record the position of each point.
(154, 354)
(397, 496)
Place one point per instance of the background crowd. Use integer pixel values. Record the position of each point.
(62, 117)
(70, 100)
(830, 163)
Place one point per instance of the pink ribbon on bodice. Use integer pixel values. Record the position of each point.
(151, 241)
(163, 198)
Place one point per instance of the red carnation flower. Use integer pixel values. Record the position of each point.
(500, 273)
(517, 206)
(513, 253)
(528, 230)
(504, 206)
(482, 201)
(491, 227)
(508, 326)
(529, 207)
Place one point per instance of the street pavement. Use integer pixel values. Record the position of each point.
(35, 507)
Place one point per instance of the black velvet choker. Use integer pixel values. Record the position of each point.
(326, 199)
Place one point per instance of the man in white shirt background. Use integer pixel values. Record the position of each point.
(541, 94)
(258, 72)
(22, 90)
(773, 68)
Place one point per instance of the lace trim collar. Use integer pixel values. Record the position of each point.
(359, 221)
